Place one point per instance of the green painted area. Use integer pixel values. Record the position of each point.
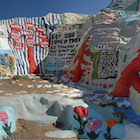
(70, 26)
(63, 17)
(8, 68)
(122, 13)
(125, 9)
(95, 64)
(137, 7)
(96, 55)
(79, 51)
(7, 62)
(83, 16)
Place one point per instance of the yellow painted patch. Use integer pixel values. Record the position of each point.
(43, 63)
(139, 109)
(0, 68)
(46, 56)
(44, 68)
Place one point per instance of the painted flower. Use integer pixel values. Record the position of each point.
(2, 57)
(3, 116)
(111, 123)
(94, 125)
(68, 75)
(6, 55)
(11, 58)
(81, 111)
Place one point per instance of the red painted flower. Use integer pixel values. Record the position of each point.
(81, 111)
(94, 125)
(104, 85)
(3, 116)
(110, 86)
(6, 54)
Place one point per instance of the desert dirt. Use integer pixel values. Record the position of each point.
(27, 129)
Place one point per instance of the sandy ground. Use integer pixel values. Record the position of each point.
(27, 129)
(21, 86)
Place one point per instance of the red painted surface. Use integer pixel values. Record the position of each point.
(17, 44)
(15, 27)
(110, 86)
(15, 35)
(44, 44)
(129, 77)
(40, 30)
(29, 25)
(104, 85)
(78, 72)
(33, 68)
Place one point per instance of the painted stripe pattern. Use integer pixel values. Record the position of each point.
(48, 22)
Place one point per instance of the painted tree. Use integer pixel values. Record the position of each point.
(30, 31)
(78, 72)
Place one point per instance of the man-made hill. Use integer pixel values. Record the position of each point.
(98, 54)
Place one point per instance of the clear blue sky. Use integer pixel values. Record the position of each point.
(38, 8)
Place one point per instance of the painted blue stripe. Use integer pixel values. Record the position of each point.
(25, 48)
(21, 56)
(53, 18)
(37, 47)
(40, 49)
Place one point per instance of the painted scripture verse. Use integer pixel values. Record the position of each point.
(63, 47)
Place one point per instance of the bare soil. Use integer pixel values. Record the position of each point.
(27, 129)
